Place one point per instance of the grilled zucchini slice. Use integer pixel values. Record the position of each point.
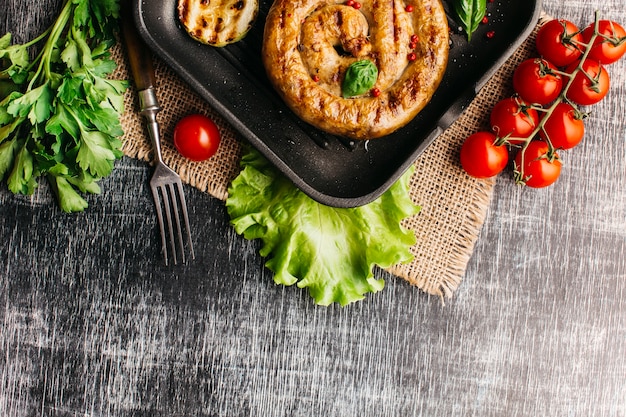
(217, 22)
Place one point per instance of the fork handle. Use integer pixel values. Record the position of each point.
(142, 69)
(139, 56)
(149, 109)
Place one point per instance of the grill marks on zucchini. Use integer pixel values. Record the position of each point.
(217, 22)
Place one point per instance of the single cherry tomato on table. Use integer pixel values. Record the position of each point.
(564, 127)
(535, 167)
(557, 41)
(481, 157)
(196, 137)
(610, 44)
(512, 117)
(590, 85)
(536, 81)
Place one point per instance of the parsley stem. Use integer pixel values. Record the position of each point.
(54, 33)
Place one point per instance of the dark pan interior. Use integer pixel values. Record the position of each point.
(331, 170)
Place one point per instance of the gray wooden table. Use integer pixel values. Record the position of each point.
(92, 323)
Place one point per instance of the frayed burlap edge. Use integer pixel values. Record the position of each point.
(454, 205)
(448, 228)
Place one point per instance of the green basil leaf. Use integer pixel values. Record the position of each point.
(360, 77)
(470, 13)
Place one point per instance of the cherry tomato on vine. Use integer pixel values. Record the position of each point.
(536, 81)
(196, 137)
(590, 85)
(481, 157)
(557, 41)
(610, 44)
(512, 117)
(538, 168)
(564, 127)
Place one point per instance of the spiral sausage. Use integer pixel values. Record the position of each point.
(309, 44)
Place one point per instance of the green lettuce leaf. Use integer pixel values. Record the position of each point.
(330, 251)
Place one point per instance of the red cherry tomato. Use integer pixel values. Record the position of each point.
(511, 117)
(590, 85)
(196, 137)
(538, 169)
(564, 127)
(481, 157)
(610, 44)
(557, 41)
(536, 81)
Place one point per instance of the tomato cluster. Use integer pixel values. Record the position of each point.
(544, 115)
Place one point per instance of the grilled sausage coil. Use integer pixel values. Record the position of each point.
(309, 44)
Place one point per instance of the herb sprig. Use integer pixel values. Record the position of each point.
(59, 112)
(470, 13)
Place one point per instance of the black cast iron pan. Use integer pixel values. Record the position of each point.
(333, 171)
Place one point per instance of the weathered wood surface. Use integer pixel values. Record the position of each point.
(92, 324)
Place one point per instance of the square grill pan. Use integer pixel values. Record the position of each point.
(333, 171)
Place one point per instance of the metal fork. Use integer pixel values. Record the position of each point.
(167, 188)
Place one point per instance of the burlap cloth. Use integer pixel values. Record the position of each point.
(454, 205)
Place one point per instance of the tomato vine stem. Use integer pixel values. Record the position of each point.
(562, 98)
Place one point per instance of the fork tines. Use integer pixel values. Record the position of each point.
(169, 200)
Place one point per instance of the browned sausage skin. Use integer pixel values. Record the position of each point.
(309, 44)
